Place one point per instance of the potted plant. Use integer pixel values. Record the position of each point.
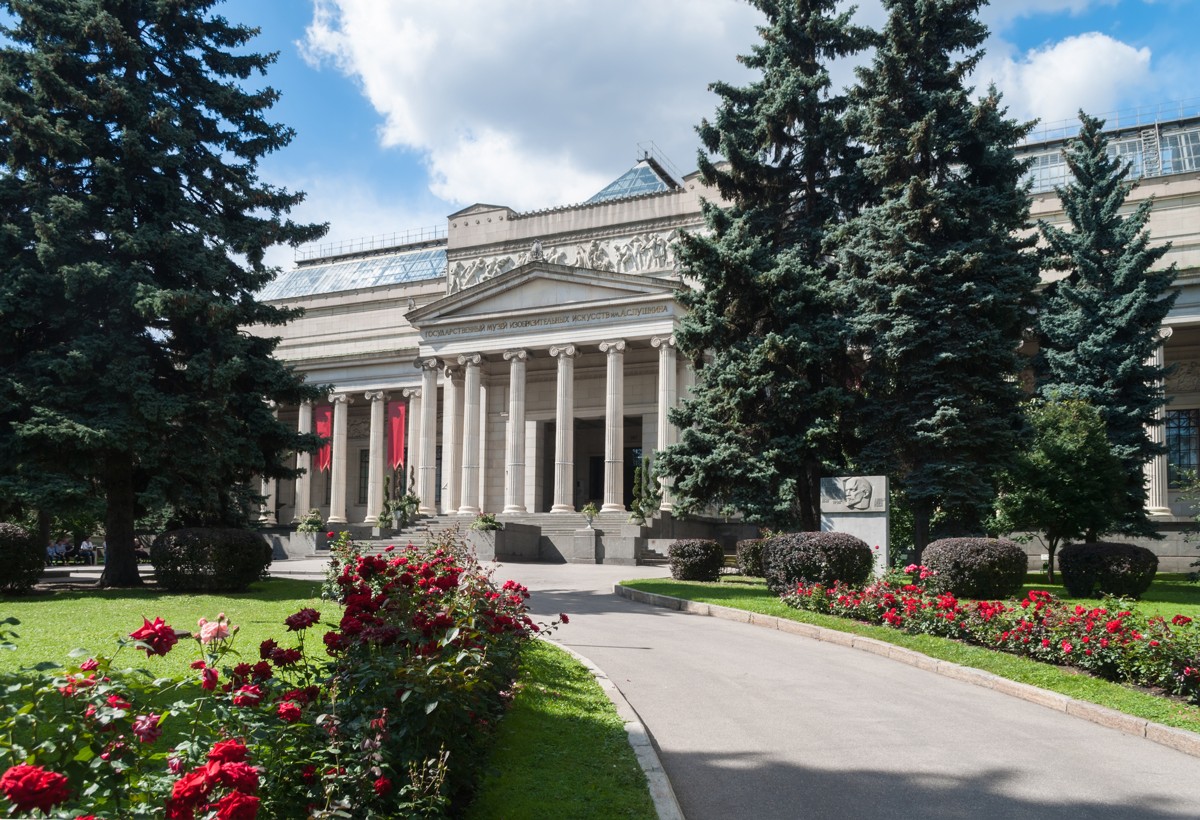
(307, 530)
(589, 512)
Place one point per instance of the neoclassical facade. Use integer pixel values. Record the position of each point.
(524, 363)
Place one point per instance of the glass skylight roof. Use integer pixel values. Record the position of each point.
(352, 274)
(640, 179)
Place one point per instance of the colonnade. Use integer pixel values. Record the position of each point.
(462, 414)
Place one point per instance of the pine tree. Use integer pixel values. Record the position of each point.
(134, 228)
(1099, 327)
(936, 278)
(762, 425)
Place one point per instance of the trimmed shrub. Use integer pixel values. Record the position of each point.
(695, 560)
(815, 557)
(1107, 568)
(750, 557)
(975, 567)
(22, 559)
(209, 559)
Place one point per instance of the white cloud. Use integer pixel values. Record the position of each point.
(1090, 71)
(542, 102)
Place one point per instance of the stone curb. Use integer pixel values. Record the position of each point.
(665, 803)
(1178, 739)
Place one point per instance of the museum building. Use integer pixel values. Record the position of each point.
(523, 364)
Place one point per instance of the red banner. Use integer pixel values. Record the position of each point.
(397, 412)
(323, 425)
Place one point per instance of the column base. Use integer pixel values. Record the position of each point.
(336, 519)
(613, 508)
(514, 509)
(371, 520)
(468, 511)
(562, 508)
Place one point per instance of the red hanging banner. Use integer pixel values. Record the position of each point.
(323, 425)
(397, 413)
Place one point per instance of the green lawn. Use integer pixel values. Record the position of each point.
(1170, 594)
(751, 594)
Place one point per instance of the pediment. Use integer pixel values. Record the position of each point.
(536, 286)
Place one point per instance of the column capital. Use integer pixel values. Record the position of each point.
(375, 395)
(451, 372)
(411, 392)
(570, 351)
(340, 398)
(306, 403)
(1165, 332)
(272, 404)
(428, 363)
(616, 345)
(517, 354)
(470, 359)
(663, 341)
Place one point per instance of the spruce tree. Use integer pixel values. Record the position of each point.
(134, 228)
(1099, 326)
(937, 281)
(762, 426)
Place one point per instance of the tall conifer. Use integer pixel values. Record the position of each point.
(762, 425)
(1099, 326)
(134, 228)
(937, 282)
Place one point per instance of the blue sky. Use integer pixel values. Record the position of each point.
(408, 110)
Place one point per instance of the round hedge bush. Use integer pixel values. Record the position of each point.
(1107, 568)
(750, 557)
(695, 560)
(814, 557)
(22, 559)
(975, 567)
(209, 559)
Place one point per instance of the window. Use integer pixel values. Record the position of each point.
(364, 471)
(1183, 445)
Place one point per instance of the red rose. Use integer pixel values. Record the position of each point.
(208, 678)
(383, 787)
(563, 617)
(331, 534)
(32, 787)
(191, 788)
(288, 712)
(309, 773)
(240, 776)
(247, 696)
(158, 637)
(229, 751)
(267, 648)
(237, 806)
(146, 727)
(302, 619)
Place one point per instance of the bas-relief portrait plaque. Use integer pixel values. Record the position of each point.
(854, 494)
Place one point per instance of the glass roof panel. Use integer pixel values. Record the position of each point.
(352, 274)
(640, 179)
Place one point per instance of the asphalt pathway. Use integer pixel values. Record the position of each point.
(754, 723)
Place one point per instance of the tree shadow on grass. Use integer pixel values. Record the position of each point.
(273, 589)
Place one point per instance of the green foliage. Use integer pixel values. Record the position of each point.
(762, 425)
(750, 557)
(695, 560)
(936, 279)
(22, 559)
(209, 559)
(1098, 327)
(1110, 568)
(975, 567)
(311, 521)
(817, 557)
(486, 522)
(1066, 483)
(646, 493)
(134, 228)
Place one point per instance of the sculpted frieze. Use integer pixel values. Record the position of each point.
(1185, 378)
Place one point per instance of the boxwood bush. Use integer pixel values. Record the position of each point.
(695, 560)
(209, 559)
(975, 567)
(750, 557)
(22, 559)
(1107, 568)
(815, 557)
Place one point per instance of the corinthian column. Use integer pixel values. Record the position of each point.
(666, 400)
(470, 451)
(375, 462)
(412, 445)
(514, 462)
(1158, 500)
(452, 401)
(304, 463)
(427, 472)
(337, 478)
(614, 427)
(564, 430)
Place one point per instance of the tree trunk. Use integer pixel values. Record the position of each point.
(921, 516)
(120, 562)
(810, 497)
(44, 522)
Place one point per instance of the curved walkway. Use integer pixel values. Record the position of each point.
(751, 722)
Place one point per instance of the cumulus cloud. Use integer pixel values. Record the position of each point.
(529, 102)
(1093, 72)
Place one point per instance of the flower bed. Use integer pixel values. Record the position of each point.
(1113, 641)
(421, 662)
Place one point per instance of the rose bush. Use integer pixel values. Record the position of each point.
(417, 666)
(1112, 641)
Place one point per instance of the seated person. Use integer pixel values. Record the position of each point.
(87, 551)
(69, 549)
(54, 553)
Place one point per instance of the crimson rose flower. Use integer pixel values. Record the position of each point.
(32, 787)
(249, 695)
(229, 751)
(302, 619)
(288, 712)
(237, 806)
(383, 787)
(159, 637)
